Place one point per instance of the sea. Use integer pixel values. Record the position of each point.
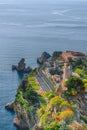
(30, 27)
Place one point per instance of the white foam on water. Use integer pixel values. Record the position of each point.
(11, 24)
(67, 25)
(60, 12)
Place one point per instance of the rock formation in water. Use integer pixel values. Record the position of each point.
(21, 67)
(43, 58)
(10, 106)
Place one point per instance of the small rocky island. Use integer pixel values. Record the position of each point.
(21, 67)
(54, 95)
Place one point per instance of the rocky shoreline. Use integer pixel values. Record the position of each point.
(28, 102)
(24, 120)
(10, 106)
(16, 122)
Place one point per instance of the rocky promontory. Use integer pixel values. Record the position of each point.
(10, 106)
(26, 106)
(21, 67)
(64, 108)
(43, 58)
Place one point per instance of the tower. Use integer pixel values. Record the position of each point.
(67, 72)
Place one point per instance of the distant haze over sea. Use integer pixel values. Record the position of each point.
(29, 27)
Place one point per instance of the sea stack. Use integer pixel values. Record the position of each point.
(21, 67)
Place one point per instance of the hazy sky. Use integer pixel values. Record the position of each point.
(37, 1)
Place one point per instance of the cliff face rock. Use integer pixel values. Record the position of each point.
(37, 128)
(21, 67)
(26, 106)
(10, 106)
(25, 120)
(43, 58)
(16, 121)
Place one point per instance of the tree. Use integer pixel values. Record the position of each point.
(67, 115)
(56, 101)
(74, 84)
(24, 84)
(31, 95)
(70, 60)
(56, 54)
(78, 62)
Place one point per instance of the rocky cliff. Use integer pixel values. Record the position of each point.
(26, 105)
(47, 110)
(25, 119)
(32, 113)
(43, 58)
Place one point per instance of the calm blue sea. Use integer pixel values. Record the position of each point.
(28, 28)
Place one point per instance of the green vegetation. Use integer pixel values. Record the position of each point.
(60, 103)
(31, 95)
(74, 85)
(80, 67)
(33, 83)
(22, 101)
(34, 72)
(42, 100)
(81, 72)
(78, 63)
(57, 126)
(84, 118)
(48, 95)
(85, 84)
(56, 54)
(32, 79)
(26, 95)
(56, 113)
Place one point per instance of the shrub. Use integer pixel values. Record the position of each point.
(74, 85)
(41, 111)
(67, 115)
(56, 100)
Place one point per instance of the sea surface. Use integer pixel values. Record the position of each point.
(29, 27)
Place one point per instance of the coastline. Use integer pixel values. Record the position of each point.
(27, 115)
